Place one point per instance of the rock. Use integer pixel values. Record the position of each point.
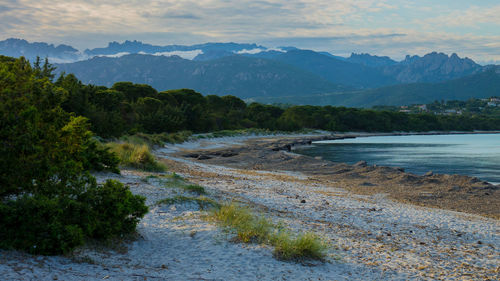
(361, 163)
(204, 157)
(191, 155)
(428, 174)
(400, 169)
(303, 201)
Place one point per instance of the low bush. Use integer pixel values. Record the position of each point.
(137, 156)
(40, 224)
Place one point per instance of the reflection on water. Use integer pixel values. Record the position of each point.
(474, 155)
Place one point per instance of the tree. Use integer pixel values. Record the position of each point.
(49, 203)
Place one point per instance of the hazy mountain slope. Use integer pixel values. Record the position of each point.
(335, 70)
(433, 67)
(134, 47)
(481, 85)
(369, 60)
(237, 75)
(18, 47)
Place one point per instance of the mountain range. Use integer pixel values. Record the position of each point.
(283, 74)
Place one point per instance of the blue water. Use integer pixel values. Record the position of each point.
(473, 155)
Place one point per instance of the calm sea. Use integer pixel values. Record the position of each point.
(474, 155)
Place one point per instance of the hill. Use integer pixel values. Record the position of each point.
(237, 75)
(481, 85)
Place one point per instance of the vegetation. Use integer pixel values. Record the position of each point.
(471, 107)
(203, 202)
(49, 203)
(170, 116)
(251, 228)
(136, 156)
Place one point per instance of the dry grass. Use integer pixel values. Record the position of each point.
(137, 156)
(251, 228)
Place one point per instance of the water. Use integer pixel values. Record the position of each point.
(474, 155)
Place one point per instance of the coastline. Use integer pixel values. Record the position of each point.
(275, 153)
(370, 235)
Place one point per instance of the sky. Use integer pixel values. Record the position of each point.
(393, 28)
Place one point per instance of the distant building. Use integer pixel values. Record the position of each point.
(403, 107)
(422, 107)
(491, 103)
(405, 111)
(450, 111)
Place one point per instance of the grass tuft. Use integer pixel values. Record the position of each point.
(137, 156)
(305, 246)
(203, 202)
(193, 188)
(248, 227)
(251, 228)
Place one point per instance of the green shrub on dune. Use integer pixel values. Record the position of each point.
(49, 203)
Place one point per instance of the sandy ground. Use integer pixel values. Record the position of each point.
(370, 236)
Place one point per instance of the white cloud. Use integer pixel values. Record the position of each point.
(189, 55)
(252, 51)
(117, 55)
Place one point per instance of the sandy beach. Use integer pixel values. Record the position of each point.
(377, 228)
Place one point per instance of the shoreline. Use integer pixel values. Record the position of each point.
(370, 235)
(275, 153)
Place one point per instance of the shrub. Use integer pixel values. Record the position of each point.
(52, 225)
(137, 156)
(49, 203)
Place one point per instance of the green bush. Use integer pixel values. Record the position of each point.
(49, 203)
(137, 156)
(52, 225)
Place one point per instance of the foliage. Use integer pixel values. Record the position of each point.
(41, 224)
(49, 203)
(137, 156)
(170, 116)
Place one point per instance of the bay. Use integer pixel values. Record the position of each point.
(468, 154)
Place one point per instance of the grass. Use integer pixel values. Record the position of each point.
(305, 246)
(251, 228)
(194, 188)
(176, 181)
(136, 156)
(248, 227)
(203, 202)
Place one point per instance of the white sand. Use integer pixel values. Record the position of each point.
(371, 237)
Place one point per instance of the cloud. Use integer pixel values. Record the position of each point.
(183, 54)
(386, 27)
